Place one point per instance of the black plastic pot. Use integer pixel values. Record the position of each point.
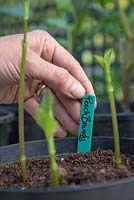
(7, 118)
(103, 121)
(32, 130)
(121, 189)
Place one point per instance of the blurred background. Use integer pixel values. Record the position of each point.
(85, 28)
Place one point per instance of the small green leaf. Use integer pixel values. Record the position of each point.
(109, 56)
(45, 116)
(47, 123)
(47, 102)
(100, 60)
(107, 59)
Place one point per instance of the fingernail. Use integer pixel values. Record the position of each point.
(77, 90)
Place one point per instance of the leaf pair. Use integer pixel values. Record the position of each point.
(107, 59)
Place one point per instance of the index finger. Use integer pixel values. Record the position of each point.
(62, 58)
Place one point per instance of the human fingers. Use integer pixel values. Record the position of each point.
(64, 117)
(50, 50)
(31, 105)
(72, 106)
(53, 52)
(60, 132)
(57, 78)
(72, 66)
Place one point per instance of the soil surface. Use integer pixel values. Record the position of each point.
(74, 169)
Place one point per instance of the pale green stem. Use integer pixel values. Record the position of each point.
(78, 23)
(54, 166)
(117, 160)
(124, 22)
(54, 169)
(129, 36)
(21, 94)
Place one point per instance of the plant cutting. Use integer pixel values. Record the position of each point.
(105, 62)
(120, 20)
(47, 122)
(21, 93)
(115, 23)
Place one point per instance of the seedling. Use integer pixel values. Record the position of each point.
(48, 124)
(105, 62)
(21, 93)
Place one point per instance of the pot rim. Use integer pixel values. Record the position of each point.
(75, 188)
(121, 116)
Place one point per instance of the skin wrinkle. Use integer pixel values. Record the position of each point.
(3, 96)
(5, 99)
(32, 68)
(73, 107)
(72, 70)
(15, 99)
(45, 50)
(11, 62)
(30, 88)
(54, 50)
(64, 115)
(29, 104)
(6, 72)
(60, 130)
(30, 64)
(47, 69)
(84, 83)
(62, 77)
(39, 41)
(14, 75)
(48, 49)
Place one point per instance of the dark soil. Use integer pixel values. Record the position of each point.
(74, 169)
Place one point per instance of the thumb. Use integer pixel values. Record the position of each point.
(55, 77)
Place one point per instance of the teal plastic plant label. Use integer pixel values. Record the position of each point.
(86, 123)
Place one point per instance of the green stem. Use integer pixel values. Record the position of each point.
(124, 22)
(54, 169)
(125, 89)
(78, 23)
(117, 160)
(54, 166)
(21, 94)
(128, 33)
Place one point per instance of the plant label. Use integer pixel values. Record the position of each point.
(86, 124)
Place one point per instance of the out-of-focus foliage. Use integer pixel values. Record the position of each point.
(84, 27)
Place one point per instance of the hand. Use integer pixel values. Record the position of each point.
(48, 62)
